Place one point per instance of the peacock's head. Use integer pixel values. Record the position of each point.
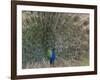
(53, 49)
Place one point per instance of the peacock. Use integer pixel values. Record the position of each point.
(51, 56)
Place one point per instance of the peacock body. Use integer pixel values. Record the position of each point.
(51, 55)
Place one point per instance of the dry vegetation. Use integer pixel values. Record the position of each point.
(68, 33)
